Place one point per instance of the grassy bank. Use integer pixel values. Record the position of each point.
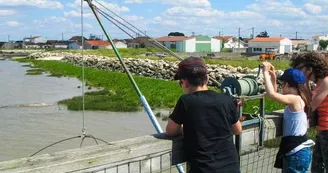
(119, 94)
(140, 53)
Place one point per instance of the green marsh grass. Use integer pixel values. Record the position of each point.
(34, 71)
(159, 93)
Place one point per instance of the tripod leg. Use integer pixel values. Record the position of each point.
(54, 144)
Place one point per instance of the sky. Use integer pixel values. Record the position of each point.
(61, 19)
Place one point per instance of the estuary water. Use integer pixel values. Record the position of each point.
(31, 119)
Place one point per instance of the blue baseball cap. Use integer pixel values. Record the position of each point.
(293, 77)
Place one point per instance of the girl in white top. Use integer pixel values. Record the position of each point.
(294, 154)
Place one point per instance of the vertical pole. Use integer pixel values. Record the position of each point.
(141, 97)
(262, 114)
(238, 37)
(238, 138)
(253, 34)
(62, 36)
(296, 35)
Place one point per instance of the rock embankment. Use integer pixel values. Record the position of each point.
(159, 69)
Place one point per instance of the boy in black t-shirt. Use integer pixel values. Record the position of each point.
(208, 121)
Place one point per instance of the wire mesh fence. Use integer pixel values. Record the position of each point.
(255, 156)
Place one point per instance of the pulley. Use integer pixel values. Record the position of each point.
(246, 86)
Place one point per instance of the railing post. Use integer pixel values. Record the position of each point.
(262, 115)
(238, 138)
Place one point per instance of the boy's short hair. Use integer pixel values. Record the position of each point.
(191, 67)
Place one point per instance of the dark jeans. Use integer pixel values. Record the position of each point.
(320, 153)
(298, 162)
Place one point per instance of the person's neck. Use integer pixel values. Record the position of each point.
(318, 81)
(196, 89)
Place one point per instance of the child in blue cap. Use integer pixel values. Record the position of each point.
(294, 153)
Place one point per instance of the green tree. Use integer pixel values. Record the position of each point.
(263, 34)
(323, 44)
(176, 34)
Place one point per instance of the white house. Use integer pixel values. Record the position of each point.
(231, 42)
(315, 41)
(36, 39)
(96, 44)
(300, 44)
(32, 45)
(75, 45)
(191, 44)
(265, 44)
(120, 44)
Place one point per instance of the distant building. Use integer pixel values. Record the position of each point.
(35, 39)
(12, 45)
(57, 44)
(266, 44)
(77, 39)
(96, 44)
(231, 42)
(132, 43)
(191, 44)
(75, 45)
(28, 45)
(300, 44)
(120, 44)
(314, 45)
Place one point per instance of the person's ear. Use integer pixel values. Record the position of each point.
(207, 79)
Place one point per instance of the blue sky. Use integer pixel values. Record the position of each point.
(56, 18)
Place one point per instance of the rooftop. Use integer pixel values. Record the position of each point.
(266, 39)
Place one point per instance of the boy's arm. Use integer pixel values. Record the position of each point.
(237, 128)
(173, 129)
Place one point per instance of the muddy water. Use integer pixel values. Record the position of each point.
(30, 119)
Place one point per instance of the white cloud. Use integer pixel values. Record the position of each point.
(50, 4)
(113, 7)
(13, 23)
(133, 18)
(245, 14)
(200, 12)
(274, 8)
(133, 1)
(187, 3)
(50, 20)
(317, 2)
(74, 13)
(175, 3)
(314, 9)
(275, 23)
(159, 20)
(7, 12)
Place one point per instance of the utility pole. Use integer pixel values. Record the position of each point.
(253, 33)
(296, 35)
(238, 37)
(8, 38)
(220, 32)
(280, 35)
(62, 36)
